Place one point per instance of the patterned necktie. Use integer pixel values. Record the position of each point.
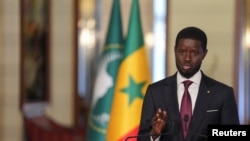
(186, 108)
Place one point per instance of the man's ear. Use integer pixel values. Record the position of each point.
(205, 53)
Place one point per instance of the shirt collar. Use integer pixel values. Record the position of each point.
(196, 78)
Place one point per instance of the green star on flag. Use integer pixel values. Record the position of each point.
(134, 90)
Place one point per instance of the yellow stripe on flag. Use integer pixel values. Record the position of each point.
(126, 109)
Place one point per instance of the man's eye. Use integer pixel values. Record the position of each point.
(182, 52)
(195, 53)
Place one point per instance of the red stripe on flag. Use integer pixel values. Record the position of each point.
(133, 132)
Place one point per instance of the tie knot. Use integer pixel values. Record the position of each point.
(187, 83)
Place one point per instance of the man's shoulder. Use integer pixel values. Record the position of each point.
(166, 80)
(211, 81)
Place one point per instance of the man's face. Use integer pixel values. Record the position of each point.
(189, 56)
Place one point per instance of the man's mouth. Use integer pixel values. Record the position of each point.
(186, 67)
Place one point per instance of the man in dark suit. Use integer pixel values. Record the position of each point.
(212, 102)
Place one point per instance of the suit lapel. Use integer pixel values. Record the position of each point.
(205, 94)
(170, 96)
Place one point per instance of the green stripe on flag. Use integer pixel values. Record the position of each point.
(134, 38)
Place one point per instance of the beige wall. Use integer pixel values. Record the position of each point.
(1, 66)
(9, 43)
(61, 64)
(216, 18)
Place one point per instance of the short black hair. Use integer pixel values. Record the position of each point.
(192, 33)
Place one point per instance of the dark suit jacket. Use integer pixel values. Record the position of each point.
(215, 104)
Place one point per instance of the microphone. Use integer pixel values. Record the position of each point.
(186, 118)
(149, 135)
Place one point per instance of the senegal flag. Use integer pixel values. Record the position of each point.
(106, 75)
(132, 81)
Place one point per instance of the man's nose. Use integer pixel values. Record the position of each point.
(187, 56)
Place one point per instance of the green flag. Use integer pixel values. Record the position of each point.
(132, 80)
(105, 81)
